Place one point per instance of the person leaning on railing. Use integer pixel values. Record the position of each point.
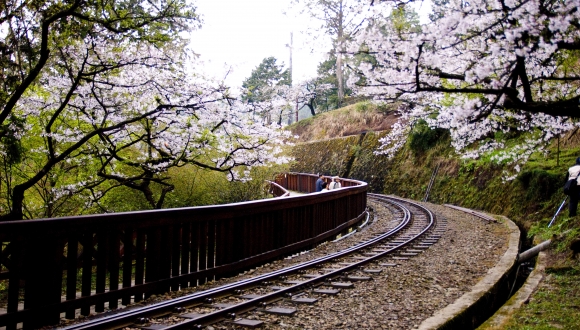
(319, 183)
(335, 184)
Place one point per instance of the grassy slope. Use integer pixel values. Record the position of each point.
(530, 200)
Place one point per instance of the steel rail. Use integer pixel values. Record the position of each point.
(155, 310)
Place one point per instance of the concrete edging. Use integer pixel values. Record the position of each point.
(505, 313)
(466, 311)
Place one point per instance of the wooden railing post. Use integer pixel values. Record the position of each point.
(43, 278)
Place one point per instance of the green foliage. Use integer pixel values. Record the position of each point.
(554, 305)
(364, 106)
(12, 145)
(195, 186)
(539, 184)
(326, 75)
(257, 87)
(405, 20)
(423, 137)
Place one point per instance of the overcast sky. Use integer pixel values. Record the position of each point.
(242, 33)
(239, 34)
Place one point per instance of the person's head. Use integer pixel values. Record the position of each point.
(335, 179)
(320, 175)
(578, 161)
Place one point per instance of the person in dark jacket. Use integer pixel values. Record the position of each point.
(573, 173)
(319, 183)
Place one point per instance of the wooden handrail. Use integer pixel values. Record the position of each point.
(277, 190)
(133, 255)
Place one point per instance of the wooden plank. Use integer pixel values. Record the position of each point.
(175, 254)
(128, 250)
(87, 257)
(164, 261)
(139, 261)
(185, 249)
(71, 273)
(114, 242)
(211, 244)
(43, 275)
(14, 279)
(153, 256)
(194, 254)
(102, 247)
(202, 249)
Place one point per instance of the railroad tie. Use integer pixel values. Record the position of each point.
(248, 323)
(278, 288)
(358, 278)
(358, 258)
(331, 269)
(191, 316)
(154, 327)
(326, 291)
(372, 270)
(341, 285)
(221, 305)
(304, 300)
(280, 311)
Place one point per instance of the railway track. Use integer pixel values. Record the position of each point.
(414, 229)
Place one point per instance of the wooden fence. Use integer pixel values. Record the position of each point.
(72, 264)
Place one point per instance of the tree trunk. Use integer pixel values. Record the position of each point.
(339, 52)
(339, 78)
(311, 109)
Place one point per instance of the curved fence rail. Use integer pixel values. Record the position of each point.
(277, 190)
(73, 264)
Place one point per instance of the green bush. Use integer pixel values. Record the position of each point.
(539, 184)
(423, 137)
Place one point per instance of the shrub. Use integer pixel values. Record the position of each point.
(423, 137)
(540, 184)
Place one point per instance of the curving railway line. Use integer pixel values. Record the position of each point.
(414, 229)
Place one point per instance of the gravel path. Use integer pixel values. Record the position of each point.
(399, 297)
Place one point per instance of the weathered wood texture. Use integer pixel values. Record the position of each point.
(67, 265)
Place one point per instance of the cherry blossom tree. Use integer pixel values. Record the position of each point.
(107, 100)
(478, 68)
(131, 121)
(31, 32)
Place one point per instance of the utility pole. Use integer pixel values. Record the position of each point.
(290, 47)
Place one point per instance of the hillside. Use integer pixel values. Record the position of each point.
(350, 120)
(530, 200)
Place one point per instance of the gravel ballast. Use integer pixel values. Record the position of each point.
(400, 297)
